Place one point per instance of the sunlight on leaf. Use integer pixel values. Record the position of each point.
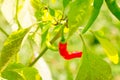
(2, 78)
(109, 48)
(77, 14)
(53, 1)
(47, 16)
(36, 4)
(12, 46)
(66, 30)
(55, 4)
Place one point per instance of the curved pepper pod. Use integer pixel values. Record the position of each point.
(68, 55)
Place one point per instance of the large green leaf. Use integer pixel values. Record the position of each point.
(93, 68)
(31, 74)
(17, 71)
(109, 48)
(77, 14)
(12, 75)
(11, 46)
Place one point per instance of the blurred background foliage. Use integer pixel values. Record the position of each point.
(60, 68)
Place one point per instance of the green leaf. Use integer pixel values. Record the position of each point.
(44, 1)
(38, 14)
(51, 11)
(66, 2)
(31, 74)
(56, 4)
(11, 72)
(37, 4)
(93, 68)
(44, 33)
(12, 75)
(17, 71)
(109, 48)
(77, 14)
(14, 66)
(11, 47)
(1, 78)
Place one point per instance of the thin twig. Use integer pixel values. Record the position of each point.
(82, 40)
(4, 32)
(16, 15)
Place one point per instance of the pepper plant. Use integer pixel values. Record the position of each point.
(34, 27)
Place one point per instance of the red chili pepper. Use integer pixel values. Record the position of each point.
(68, 55)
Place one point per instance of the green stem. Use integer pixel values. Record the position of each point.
(41, 53)
(62, 35)
(82, 39)
(16, 15)
(45, 48)
(4, 32)
(31, 46)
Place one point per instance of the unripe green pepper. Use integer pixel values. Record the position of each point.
(96, 9)
(114, 8)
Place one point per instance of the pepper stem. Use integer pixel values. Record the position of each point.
(62, 35)
(82, 39)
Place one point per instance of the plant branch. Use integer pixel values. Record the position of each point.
(4, 32)
(16, 15)
(45, 48)
(82, 40)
